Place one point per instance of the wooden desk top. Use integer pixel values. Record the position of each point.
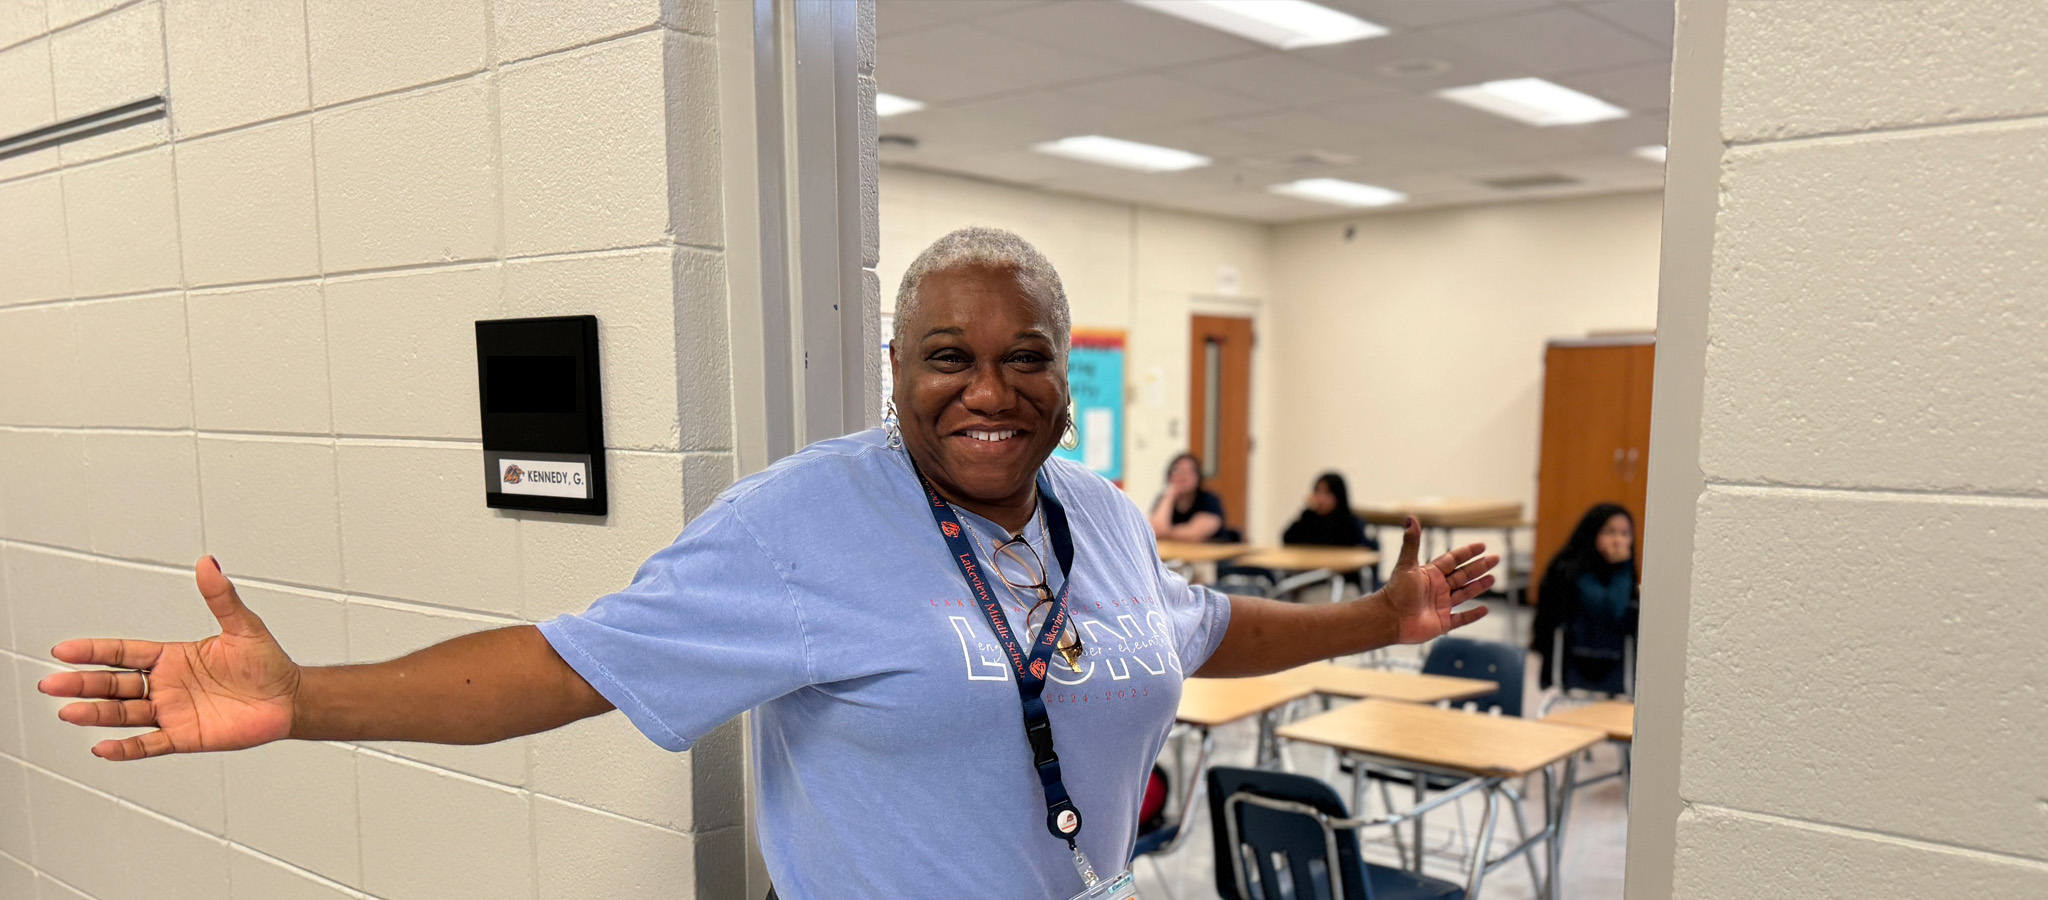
(1446, 738)
(1193, 552)
(1297, 558)
(1408, 687)
(1616, 717)
(1218, 701)
(1444, 513)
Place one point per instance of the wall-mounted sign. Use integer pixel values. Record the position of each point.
(543, 416)
(1095, 375)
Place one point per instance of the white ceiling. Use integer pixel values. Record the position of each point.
(1000, 75)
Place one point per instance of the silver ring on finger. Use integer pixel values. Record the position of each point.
(145, 682)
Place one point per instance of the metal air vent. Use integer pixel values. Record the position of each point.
(1529, 182)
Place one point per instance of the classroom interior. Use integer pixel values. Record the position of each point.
(1464, 332)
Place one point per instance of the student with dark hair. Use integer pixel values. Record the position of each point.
(1590, 594)
(1327, 520)
(1186, 511)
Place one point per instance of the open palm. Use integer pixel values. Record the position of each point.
(1422, 596)
(227, 692)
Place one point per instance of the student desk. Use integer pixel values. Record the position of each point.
(1441, 515)
(1616, 719)
(1208, 702)
(1336, 561)
(1192, 552)
(1465, 745)
(1407, 687)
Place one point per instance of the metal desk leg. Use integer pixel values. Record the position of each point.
(1477, 874)
(1561, 813)
(1421, 793)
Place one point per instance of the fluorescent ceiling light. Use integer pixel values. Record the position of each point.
(1535, 101)
(892, 105)
(1126, 154)
(1340, 192)
(1653, 153)
(1285, 24)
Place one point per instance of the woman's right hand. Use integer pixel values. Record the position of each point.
(227, 692)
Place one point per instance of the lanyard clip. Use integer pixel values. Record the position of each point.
(1039, 732)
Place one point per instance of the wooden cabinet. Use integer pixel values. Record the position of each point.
(1596, 436)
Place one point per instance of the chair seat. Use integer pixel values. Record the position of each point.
(1401, 884)
(1155, 840)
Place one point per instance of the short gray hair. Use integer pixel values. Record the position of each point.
(994, 248)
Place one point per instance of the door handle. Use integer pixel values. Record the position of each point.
(1633, 455)
(1618, 470)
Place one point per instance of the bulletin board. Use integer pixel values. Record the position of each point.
(1095, 374)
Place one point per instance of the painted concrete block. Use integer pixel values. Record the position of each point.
(109, 61)
(358, 49)
(312, 626)
(296, 800)
(433, 836)
(1830, 682)
(270, 508)
(721, 862)
(147, 601)
(120, 218)
(380, 630)
(133, 367)
(185, 787)
(571, 560)
(46, 495)
(16, 878)
(585, 853)
(605, 763)
(703, 351)
(245, 201)
(633, 296)
(32, 247)
(409, 179)
(529, 28)
(583, 143)
(414, 527)
(30, 101)
(235, 62)
(21, 21)
(73, 826)
(696, 174)
(1729, 854)
(705, 476)
(39, 366)
(10, 705)
(142, 495)
(253, 877)
(692, 16)
(401, 350)
(1875, 320)
(718, 789)
(259, 359)
(56, 746)
(870, 166)
(17, 838)
(53, 599)
(167, 860)
(66, 12)
(1837, 66)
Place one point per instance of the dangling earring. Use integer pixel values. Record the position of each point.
(1070, 439)
(892, 428)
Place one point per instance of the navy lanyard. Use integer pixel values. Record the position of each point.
(1061, 818)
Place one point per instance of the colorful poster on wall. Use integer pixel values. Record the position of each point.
(1095, 374)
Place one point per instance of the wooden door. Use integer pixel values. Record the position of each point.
(1596, 437)
(1220, 408)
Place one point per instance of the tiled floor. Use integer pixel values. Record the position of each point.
(1594, 836)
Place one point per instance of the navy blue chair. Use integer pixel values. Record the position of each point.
(1280, 835)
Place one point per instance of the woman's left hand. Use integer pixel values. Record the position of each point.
(1421, 595)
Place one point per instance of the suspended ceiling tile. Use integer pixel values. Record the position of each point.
(1379, 59)
(1635, 88)
(1301, 130)
(1418, 116)
(1280, 79)
(1652, 19)
(1160, 99)
(891, 18)
(1208, 140)
(1416, 14)
(1562, 39)
(951, 10)
(1119, 33)
(954, 62)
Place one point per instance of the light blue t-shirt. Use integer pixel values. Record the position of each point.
(888, 739)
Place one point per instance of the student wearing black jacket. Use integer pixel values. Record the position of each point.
(1328, 521)
(1590, 594)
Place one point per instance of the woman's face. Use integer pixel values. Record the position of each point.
(979, 388)
(1617, 540)
(1321, 500)
(1185, 476)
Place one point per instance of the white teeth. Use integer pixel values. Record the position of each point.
(992, 436)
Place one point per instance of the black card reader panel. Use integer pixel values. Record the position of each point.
(543, 415)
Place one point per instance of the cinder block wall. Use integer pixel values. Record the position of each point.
(1865, 703)
(247, 331)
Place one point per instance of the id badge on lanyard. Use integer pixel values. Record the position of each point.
(1061, 817)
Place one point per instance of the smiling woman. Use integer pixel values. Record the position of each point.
(843, 596)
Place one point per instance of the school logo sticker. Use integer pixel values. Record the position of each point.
(512, 474)
(951, 530)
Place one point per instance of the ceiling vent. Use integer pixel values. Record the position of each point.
(1529, 182)
(1414, 68)
(1306, 159)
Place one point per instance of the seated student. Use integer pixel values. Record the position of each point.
(1186, 512)
(1328, 521)
(1590, 594)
